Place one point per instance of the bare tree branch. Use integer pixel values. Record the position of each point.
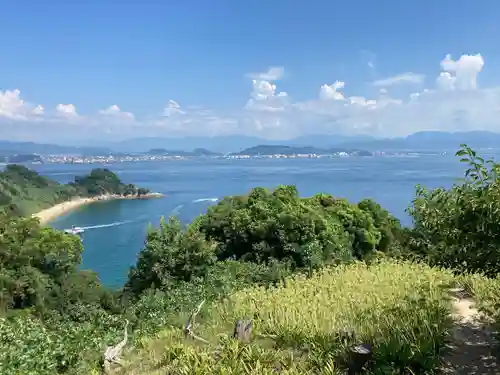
(112, 354)
(190, 324)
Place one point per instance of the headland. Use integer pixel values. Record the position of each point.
(26, 193)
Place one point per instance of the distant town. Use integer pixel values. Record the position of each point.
(313, 146)
(156, 157)
(109, 159)
(151, 149)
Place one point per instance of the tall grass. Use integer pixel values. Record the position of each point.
(485, 292)
(307, 326)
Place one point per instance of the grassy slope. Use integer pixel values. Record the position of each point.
(34, 193)
(402, 308)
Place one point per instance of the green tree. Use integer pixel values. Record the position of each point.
(170, 255)
(459, 227)
(54, 316)
(142, 191)
(31, 260)
(274, 225)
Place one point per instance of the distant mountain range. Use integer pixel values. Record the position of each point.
(427, 140)
(421, 141)
(13, 148)
(231, 143)
(424, 141)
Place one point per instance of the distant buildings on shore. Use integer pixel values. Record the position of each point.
(111, 159)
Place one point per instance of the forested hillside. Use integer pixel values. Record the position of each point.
(313, 281)
(26, 192)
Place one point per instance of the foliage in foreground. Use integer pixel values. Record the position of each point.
(247, 244)
(459, 228)
(29, 345)
(53, 316)
(401, 308)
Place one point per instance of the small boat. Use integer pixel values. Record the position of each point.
(74, 230)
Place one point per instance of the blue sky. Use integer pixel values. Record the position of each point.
(200, 55)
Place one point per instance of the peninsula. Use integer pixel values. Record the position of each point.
(25, 192)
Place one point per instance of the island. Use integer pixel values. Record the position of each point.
(26, 192)
(9, 158)
(197, 152)
(298, 151)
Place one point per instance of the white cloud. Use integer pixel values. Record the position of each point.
(329, 92)
(66, 110)
(460, 74)
(262, 90)
(454, 103)
(14, 108)
(116, 112)
(264, 98)
(39, 110)
(172, 108)
(398, 79)
(273, 74)
(445, 81)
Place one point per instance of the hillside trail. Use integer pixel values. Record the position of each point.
(473, 346)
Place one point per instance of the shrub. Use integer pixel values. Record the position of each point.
(459, 228)
(170, 255)
(307, 232)
(29, 345)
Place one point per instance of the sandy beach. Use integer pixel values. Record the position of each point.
(53, 212)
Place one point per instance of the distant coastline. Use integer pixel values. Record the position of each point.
(49, 214)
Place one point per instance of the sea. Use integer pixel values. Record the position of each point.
(115, 231)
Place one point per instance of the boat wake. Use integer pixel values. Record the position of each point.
(205, 200)
(175, 211)
(178, 209)
(107, 225)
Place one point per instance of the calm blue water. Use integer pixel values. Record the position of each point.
(117, 229)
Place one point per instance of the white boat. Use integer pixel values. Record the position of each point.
(74, 230)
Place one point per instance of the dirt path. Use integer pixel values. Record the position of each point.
(472, 345)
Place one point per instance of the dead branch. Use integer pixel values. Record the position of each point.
(188, 330)
(112, 354)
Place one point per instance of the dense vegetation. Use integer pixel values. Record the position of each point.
(315, 275)
(24, 191)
